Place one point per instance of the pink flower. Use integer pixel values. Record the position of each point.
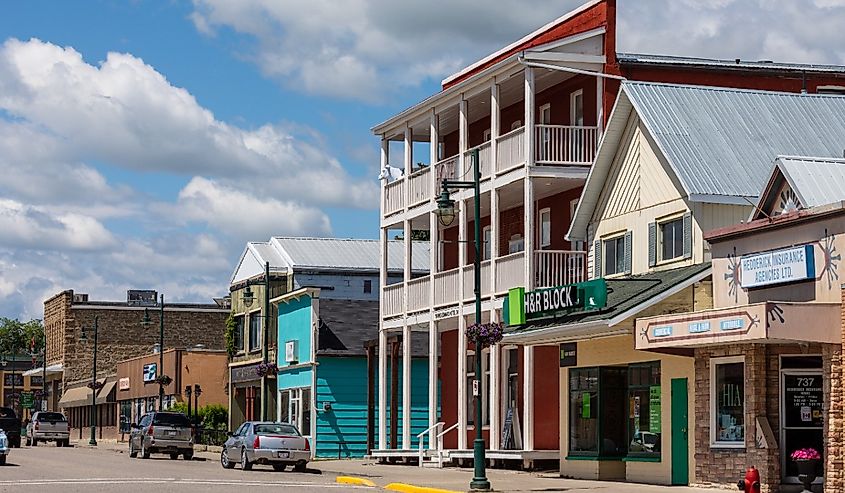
(806, 454)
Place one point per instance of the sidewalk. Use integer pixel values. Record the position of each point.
(456, 479)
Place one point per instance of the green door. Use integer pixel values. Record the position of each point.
(680, 440)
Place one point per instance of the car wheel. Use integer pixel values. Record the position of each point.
(17, 442)
(34, 442)
(246, 465)
(174, 456)
(300, 466)
(224, 460)
(145, 454)
(132, 452)
(279, 467)
(188, 455)
(66, 443)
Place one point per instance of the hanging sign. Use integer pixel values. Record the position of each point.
(777, 267)
(150, 372)
(525, 306)
(654, 419)
(123, 383)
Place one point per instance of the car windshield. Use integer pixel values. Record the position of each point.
(6, 412)
(275, 429)
(171, 419)
(51, 417)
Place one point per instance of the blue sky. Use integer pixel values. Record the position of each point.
(143, 142)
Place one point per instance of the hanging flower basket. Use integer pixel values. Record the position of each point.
(95, 385)
(163, 380)
(266, 370)
(485, 335)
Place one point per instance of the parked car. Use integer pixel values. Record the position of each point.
(260, 442)
(11, 424)
(644, 441)
(4, 447)
(162, 433)
(48, 427)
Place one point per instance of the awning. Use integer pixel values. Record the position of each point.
(81, 396)
(626, 297)
(51, 370)
(772, 322)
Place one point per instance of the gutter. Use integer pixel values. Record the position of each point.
(547, 66)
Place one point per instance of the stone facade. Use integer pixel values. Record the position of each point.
(121, 335)
(725, 466)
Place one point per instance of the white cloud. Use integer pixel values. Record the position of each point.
(25, 226)
(234, 211)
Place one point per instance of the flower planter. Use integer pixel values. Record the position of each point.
(807, 472)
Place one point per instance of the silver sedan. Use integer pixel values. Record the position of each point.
(264, 442)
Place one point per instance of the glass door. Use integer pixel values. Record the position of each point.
(802, 418)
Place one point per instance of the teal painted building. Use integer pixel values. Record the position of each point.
(322, 371)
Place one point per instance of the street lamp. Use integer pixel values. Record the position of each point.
(93, 420)
(146, 323)
(446, 214)
(247, 298)
(188, 398)
(197, 392)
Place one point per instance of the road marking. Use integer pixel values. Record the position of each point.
(210, 482)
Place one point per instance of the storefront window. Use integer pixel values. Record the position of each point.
(583, 410)
(728, 400)
(644, 407)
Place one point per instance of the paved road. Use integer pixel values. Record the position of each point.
(48, 469)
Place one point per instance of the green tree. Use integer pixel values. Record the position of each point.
(18, 337)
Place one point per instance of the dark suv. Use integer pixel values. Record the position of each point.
(11, 424)
(162, 433)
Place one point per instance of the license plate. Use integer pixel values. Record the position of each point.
(171, 433)
(283, 455)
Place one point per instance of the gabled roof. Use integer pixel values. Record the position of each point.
(814, 181)
(718, 142)
(289, 254)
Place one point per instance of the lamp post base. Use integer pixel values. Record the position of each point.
(93, 440)
(479, 481)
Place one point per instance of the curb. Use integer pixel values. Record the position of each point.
(409, 488)
(351, 480)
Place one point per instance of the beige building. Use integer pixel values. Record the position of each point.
(675, 162)
(769, 352)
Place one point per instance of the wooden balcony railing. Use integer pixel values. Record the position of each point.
(447, 169)
(510, 150)
(559, 267)
(394, 196)
(446, 286)
(485, 160)
(391, 305)
(418, 294)
(562, 144)
(419, 187)
(510, 271)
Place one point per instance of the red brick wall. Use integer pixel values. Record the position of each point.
(449, 385)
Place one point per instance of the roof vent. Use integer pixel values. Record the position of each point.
(80, 298)
(765, 61)
(141, 297)
(737, 60)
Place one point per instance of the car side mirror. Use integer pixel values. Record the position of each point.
(230, 434)
(134, 426)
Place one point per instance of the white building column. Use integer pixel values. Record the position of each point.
(382, 335)
(463, 135)
(600, 105)
(408, 162)
(434, 236)
(406, 340)
(528, 398)
(528, 199)
(495, 396)
(462, 382)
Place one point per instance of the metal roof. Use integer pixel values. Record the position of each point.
(737, 63)
(816, 181)
(286, 254)
(719, 142)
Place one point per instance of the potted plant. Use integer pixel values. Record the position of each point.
(485, 335)
(266, 370)
(807, 460)
(163, 380)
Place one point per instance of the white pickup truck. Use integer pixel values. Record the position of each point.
(48, 427)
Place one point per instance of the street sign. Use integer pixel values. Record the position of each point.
(27, 400)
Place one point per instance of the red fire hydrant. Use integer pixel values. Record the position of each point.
(751, 483)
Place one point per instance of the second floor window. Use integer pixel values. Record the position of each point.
(672, 239)
(486, 246)
(239, 334)
(545, 228)
(254, 331)
(614, 255)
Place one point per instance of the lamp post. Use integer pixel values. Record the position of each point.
(188, 398)
(146, 323)
(248, 298)
(44, 378)
(93, 421)
(197, 392)
(446, 214)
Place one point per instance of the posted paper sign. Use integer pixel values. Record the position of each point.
(778, 266)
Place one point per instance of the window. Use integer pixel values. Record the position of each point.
(516, 244)
(485, 385)
(487, 235)
(583, 410)
(672, 239)
(545, 228)
(576, 108)
(368, 286)
(515, 125)
(284, 406)
(727, 398)
(239, 334)
(486, 136)
(295, 408)
(614, 255)
(254, 331)
(644, 407)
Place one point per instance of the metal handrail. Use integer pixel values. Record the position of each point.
(420, 436)
(435, 425)
(447, 430)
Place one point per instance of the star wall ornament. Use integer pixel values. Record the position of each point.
(733, 275)
(831, 259)
(789, 201)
